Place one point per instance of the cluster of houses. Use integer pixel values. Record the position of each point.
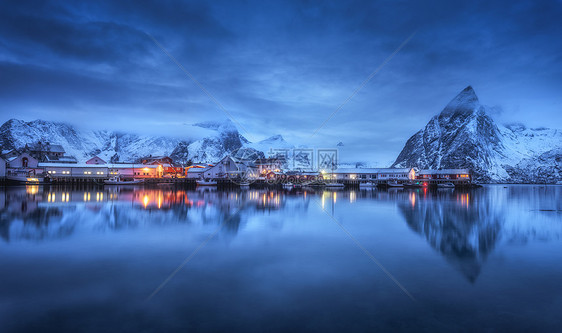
(44, 161)
(272, 169)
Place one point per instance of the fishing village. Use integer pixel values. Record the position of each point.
(45, 163)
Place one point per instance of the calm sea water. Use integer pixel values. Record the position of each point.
(168, 259)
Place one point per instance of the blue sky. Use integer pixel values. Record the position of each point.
(279, 67)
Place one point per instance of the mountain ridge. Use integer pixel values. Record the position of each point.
(464, 135)
(116, 146)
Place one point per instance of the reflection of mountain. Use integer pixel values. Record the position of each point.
(462, 230)
(34, 213)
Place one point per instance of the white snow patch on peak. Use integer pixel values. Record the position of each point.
(465, 101)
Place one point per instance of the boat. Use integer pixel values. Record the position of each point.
(395, 184)
(119, 181)
(446, 185)
(206, 182)
(22, 179)
(244, 184)
(24, 176)
(335, 185)
(288, 186)
(367, 185)
(413, 185)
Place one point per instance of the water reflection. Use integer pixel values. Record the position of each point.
(463, 226)
(462, 230)
(38, 213)
(89, 256)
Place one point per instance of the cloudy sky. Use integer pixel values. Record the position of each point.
(279, 67)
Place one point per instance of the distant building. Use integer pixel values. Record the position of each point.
(167, 164)
(157, 159)
(371, 174)
(228, 167)
(267, 165)
(60, 171)
(23, 160)
(60, 159)
(6, 154)
(44, 150)
(457, 176)
(95, 160)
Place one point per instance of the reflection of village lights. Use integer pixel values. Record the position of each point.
(413, 198)
(352, 196)
(159, 200)
(323, 199)
(145, 200)
(33, 189)
(98, 196)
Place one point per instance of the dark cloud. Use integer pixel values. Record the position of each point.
(280, 67)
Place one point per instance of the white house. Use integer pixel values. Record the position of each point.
(23, 160)
(128, 170)
(228, 167)
(196, 172)
(462, 176)
(95, 160)
(78, 170)
(371, 174)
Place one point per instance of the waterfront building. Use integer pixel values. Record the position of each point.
(378, 175)
(456, 176)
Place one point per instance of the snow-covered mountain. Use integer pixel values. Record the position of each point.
(464, 135)
(223, 139)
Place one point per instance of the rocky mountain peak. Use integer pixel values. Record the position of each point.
(466, 102)
(464, 136)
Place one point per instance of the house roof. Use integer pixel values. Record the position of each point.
(67, 159)
(197, 170)
(370, 170)
(109, 166)
(46, 147)
(444, 172)
(70, 165)
(99, 158)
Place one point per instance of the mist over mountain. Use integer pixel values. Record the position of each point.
(464, 135)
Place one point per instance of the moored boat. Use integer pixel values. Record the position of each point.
(288, 186)
(23, 179)
(395, 184)
(335, 185)
(446, 185)
(119, 181)
(367, 185)
(412, 184)
(206, 182)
